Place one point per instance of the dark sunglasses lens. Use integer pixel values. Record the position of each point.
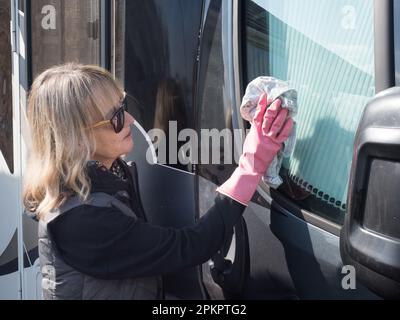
(118, 120)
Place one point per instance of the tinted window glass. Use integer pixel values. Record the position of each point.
(161, 41)
(6, 119)
(215, 112)
(21, 5)
(326, 50)
(64, 31)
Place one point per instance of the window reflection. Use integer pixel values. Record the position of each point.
(170, 115)
(215, 106)
(160, 64)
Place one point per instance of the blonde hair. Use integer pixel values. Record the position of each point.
(63, 103)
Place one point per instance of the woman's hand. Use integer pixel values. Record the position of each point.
(270, 128)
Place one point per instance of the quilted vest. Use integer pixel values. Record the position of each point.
(62, 282)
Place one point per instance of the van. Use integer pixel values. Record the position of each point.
(330, 231)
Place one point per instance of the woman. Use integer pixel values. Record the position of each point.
(94, 240)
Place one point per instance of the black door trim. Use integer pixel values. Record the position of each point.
(384, 45)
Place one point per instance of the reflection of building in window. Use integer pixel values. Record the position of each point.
(71, 32)
(6, 127)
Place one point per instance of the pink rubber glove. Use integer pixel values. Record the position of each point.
(269, 130)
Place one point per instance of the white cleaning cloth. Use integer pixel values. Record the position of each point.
(274, 88)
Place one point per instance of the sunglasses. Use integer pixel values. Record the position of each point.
(117, 119)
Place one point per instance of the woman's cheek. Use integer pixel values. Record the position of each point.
(128, 145)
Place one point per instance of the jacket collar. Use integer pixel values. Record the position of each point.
(107, 180)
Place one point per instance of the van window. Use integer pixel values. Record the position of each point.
(214, 98)
(64, 31)
(21, 6)
(159, 70)
(325, 49)
(6, 118)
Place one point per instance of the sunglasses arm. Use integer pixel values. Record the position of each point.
(99, 124)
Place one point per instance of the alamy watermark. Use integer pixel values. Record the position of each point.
(208, 146)
(349, 281)
(349, 19)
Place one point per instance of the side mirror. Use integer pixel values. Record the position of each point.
(370, 237)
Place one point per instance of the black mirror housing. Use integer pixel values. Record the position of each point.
(370, 237)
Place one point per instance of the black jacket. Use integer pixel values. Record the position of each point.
(104, 243)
